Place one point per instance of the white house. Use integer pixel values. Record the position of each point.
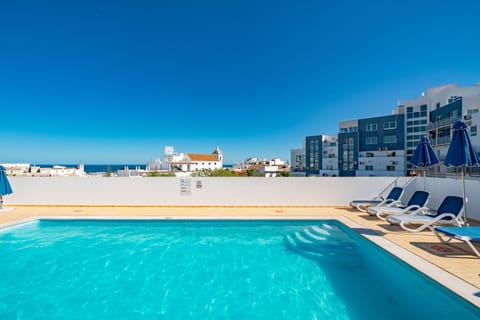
(62, 171)
(14, 169)
(191, 162)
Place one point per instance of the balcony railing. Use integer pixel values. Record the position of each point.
(443, 123)
(440, 140)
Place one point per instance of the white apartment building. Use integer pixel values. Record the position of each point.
(329, 156)
(433, 114)
(297, 159)
(383, 146)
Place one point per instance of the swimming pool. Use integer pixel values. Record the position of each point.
(209, 270)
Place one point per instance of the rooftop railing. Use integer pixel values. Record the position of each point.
(443, 123)
(440, 140)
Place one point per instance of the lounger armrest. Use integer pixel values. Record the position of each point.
(378, 198)
(414, 209)
(456, 219)
(390, 203)
(432, 222)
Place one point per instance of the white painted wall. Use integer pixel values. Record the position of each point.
(380, 161)
(441, 187)
(213, 191)
(298, 191)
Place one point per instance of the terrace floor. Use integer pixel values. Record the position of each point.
(456, 260)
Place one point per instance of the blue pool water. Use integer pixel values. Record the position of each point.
(209, 270)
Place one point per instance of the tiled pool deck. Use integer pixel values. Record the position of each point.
(456, 260)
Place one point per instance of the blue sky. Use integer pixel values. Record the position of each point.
(116, 81)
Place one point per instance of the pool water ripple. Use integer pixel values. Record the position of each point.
(197, 270)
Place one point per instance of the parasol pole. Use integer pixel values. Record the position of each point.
(465, 200)
(424, 182)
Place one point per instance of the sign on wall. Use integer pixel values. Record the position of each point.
(185, 186)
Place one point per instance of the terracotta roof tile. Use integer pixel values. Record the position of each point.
(202, 157)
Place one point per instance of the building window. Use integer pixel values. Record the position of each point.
(473, 131)
(371, 140)
(389, 125)
(372, 127)
(369, 168)
(454, 98)
(313, 154)
(347, 143)
(390, 139)
(369, 154)
(390, 168)
(423, 110)
(348, 161)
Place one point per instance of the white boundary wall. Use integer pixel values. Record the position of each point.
(242, 191)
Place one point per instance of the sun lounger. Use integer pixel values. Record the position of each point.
(416, 204)
(392, 197)
(448, 213)
(465, 234)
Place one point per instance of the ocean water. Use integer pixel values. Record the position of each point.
(209, 270)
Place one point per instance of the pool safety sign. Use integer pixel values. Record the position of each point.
(185, 187)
